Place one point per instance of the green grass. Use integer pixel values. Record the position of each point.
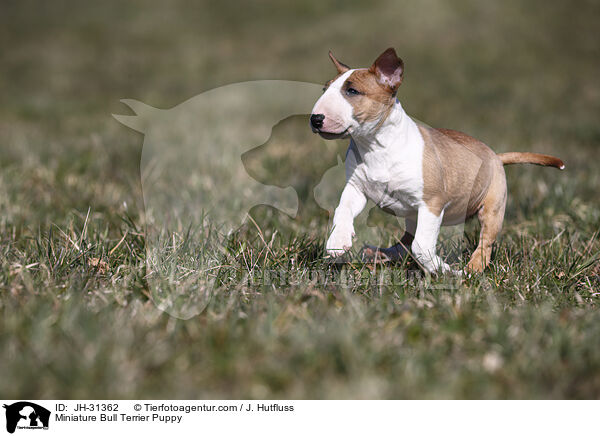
(77, 317)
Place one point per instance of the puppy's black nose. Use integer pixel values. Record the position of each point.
(316, 120)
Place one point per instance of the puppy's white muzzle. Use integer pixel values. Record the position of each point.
(331, 116)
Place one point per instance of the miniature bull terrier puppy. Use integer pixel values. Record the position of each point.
(432, 177)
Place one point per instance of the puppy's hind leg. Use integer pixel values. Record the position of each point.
(409, 232)
(396, 252)
(490, 216)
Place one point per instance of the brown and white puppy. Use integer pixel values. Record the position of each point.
(432, 177)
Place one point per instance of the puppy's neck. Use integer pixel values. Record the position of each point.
(392, 132)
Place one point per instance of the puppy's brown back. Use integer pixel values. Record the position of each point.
(457, 171)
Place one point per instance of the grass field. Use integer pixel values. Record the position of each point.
(77, 317)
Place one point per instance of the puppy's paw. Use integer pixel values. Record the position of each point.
(443, 268)
(476, 264)
(371, 254)
(339, 241)
(457, 273)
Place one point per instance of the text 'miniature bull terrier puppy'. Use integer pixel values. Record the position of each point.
(432, 177)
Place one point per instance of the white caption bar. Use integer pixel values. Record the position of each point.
(298, 417)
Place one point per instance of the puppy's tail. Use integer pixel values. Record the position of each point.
(531, 158)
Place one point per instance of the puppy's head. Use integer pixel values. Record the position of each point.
(357, 101)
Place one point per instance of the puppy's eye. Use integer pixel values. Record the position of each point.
(352, 91)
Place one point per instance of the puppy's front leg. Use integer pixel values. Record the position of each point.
(351, 204)
(423, 246)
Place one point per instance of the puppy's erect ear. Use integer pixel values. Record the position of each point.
(341, 68)
(389, 69)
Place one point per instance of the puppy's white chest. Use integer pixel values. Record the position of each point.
(398, 189)
(392, 176)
